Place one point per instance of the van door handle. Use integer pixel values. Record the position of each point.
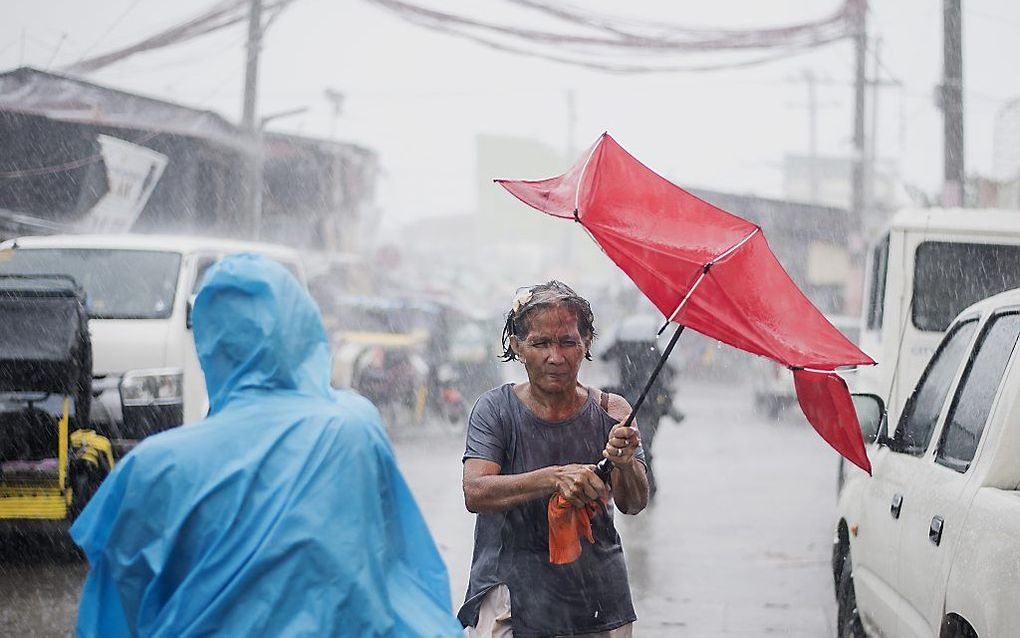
(897, 505)
(935, 531)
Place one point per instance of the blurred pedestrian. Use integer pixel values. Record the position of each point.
(635, 353)
(283, 513)
(529, 455)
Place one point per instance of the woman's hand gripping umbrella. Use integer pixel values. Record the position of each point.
(708, 270)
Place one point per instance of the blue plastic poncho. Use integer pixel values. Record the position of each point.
(281, 514)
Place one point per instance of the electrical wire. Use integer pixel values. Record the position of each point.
(223, 15)
(598, 51)
(614, 37)
(693, 40)
(609, 67)
(108, 30)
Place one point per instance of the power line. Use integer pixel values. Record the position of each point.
(606, 66)
(599, 49)
(222, 15)
(108, 30)
(602, 51)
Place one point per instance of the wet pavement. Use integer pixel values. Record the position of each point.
(39, 586)
(736, 543)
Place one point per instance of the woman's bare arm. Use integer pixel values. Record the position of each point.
(629, 480)
(486, 490)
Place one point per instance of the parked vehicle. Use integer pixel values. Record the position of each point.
(439, 358)
(930, 545)
(146, 375)
(50, 461)
(928, 266)
(390, 371)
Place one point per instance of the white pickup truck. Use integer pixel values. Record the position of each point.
(930, 545)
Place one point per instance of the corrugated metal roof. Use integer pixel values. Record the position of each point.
(68, 99)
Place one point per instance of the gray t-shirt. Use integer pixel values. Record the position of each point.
(512, 547)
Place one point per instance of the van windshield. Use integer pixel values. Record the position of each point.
(948, 277)
(118, 284)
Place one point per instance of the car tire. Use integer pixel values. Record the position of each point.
(848, 620)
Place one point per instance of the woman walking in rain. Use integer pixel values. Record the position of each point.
(529, 473)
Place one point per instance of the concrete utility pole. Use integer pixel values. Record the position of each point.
(812, 82)
(251, 70)
(809, 78)
(872, 149)
(248, 117)
(859, 9)
(952, 102)
(571, 123)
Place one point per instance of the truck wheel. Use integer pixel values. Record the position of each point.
(848, 621)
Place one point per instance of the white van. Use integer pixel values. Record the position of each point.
(928, 266)
(146, 376)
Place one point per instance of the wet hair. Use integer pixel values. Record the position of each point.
(532, 299)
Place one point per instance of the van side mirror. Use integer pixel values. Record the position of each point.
(190, 309)
(871, 415)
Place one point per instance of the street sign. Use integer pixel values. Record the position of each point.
(132, 172)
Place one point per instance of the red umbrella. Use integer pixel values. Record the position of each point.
(709, 270)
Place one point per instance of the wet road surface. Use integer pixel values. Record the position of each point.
(735, 544)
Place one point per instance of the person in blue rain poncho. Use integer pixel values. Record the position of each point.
(283, 513)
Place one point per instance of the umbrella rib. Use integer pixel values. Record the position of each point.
(704, 272)
(732, 250)
(580, 180)
(683, 302)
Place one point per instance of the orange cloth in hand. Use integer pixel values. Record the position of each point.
(567, 524)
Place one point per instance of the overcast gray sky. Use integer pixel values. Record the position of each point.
(419, 98)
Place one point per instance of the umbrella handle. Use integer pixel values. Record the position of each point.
(604, 468)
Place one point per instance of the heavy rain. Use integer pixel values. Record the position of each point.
(513, 317)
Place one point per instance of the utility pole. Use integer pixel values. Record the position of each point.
(812, 82)
(859, 9)
(809, 78)
(336, 101)
(872, 148)
(571, 123)
(251, 70)
(248, 118)
(952, 103)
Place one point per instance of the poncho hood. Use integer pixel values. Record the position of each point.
(257, 330)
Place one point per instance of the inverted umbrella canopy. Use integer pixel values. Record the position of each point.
(708, 270)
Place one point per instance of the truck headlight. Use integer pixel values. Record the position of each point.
(161, 386)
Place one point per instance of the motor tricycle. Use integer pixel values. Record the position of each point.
(51, 463)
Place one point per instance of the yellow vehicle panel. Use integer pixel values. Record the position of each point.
(33, 501)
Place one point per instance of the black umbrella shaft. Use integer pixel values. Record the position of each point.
(605, 466)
